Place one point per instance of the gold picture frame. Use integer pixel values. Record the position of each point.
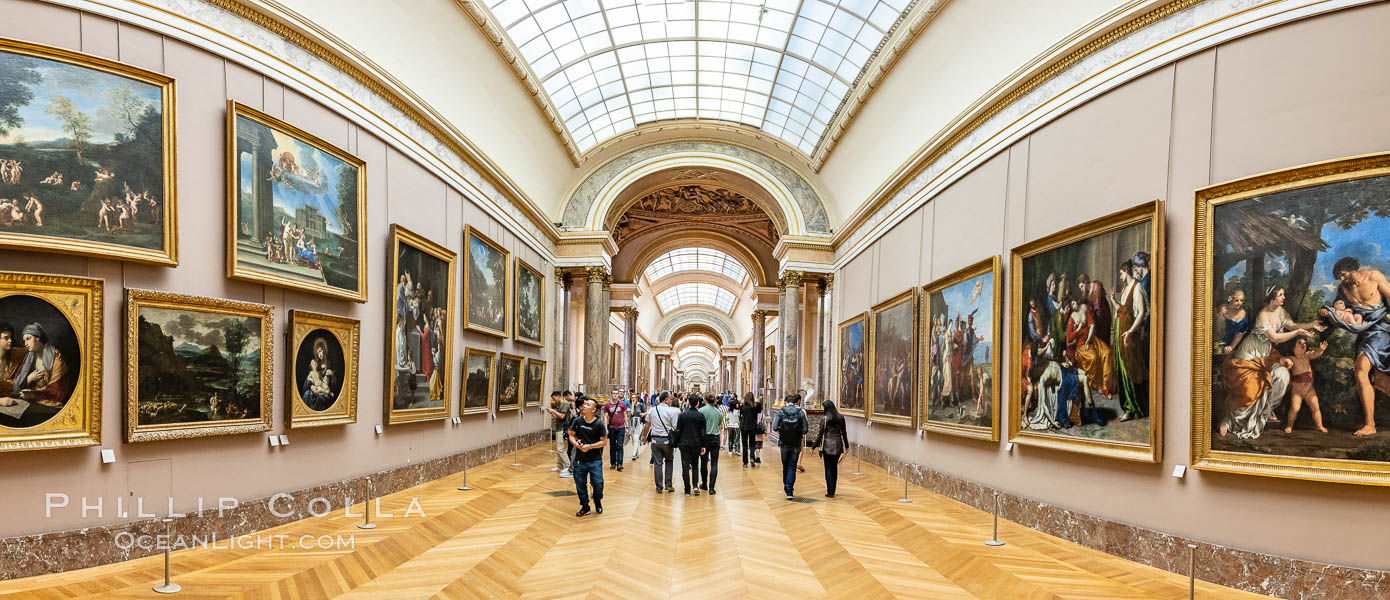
(73, 303)
(485, 386)
(533, 397)
(168, 219)
(517, 334)
(871, 399)
(500, 385)
(158, 309)
(1150, 213)
(1207, 201)
(990, 266)
(843, 333)
(270, 273)
(402, 376)
(469, 286)
(346, 334)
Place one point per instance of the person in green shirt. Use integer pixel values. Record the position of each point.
(709, 461)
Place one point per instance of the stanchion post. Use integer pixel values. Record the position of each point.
(464, 487)
(859, 460)
(1191, 571)
(904, 499)
(367, 509)
(168, 587)
(994, 540)
(516, 443)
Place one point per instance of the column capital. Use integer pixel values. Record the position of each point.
(599, 273)
(790, 279)
(562, 278)
(826, 283)
(630, 312)
(759, 316)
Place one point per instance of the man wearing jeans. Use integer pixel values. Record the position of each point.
(589, 436)
(661, 425)
(559, 411)
(791, 426)
(615, 417)
(709, 459)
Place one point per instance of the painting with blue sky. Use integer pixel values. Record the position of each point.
(485, 285)
(960, 352)
(852, 361)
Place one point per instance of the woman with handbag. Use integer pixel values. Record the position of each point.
(833, 442)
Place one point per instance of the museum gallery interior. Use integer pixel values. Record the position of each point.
(983, 299)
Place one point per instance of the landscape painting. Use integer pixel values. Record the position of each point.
(509, 384)
(86, 156)
(853, 357)
(1291, 340)
(422, 324)
(50, 386)
(477, 381)
(485, 285)
(530, 304)
(196, 366)
(960, 326)
(532, 384)
(323, 352)
(1084, 306)
(296, 208)
(892, 358)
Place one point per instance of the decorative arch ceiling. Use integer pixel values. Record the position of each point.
(698, 329)
(696, 294)
(696, 259)
(673, 324)
(779, 66)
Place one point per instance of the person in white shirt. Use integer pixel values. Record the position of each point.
(732, 419)
(661, 425)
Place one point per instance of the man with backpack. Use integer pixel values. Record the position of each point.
(791, 427)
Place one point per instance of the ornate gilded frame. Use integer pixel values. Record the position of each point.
(348, 332)
(401, 236)
(470, 232)
(169, 256)
(135, 300)
(1149, 212)
(520, 382)
(839, 349)
(491, 357)
(236, 271)
(532, 397)
(870, 394)
(1206, 199)
(991, 266)
(521, 265)
(80, 300)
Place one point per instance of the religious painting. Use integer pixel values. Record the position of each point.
(532, 385)
(509, 387)
(86, 156)
(422, 323)
(322, 388)
(196, 366)
(486, 285)
(614, 352)
(50, 377)
(530, 304)
(960, 367)
(1291, 343)
(1085, 318)
(477, 381)
(296, 208)
(892, 385)
(853, 357)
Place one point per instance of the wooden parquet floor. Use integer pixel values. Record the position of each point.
(515, 536)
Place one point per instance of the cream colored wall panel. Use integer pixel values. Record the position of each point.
(246, 86)
(416, 199)
(99, 36)
(899, 258)
(40, 22)
(1305, 92)
(969, 216)
(854, 281)
(141, 48)
(317, 120)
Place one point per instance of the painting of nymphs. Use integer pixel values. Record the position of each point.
(960, 332)
(422, 324)
(532, 383)
(50, 385)
(529, 303)
(296, 208)
(892, 389)
(508, 388)
(1085, 304)
(486, 285)
(477, 381)
(1291, 342)
(853, 357)
(323, 353)
(196, 366)
(86, 156)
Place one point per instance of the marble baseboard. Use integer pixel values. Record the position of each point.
(41, 554)
(1232, 567)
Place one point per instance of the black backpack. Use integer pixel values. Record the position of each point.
(791, 428)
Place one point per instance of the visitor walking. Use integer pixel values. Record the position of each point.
(731, 429)
(639, 417)
(750, 413)
(559, 410)
(660, 431)
(709, 458)
(833, 442)
(791, 427)
(689, 436)
(589, 436)
(615, 413)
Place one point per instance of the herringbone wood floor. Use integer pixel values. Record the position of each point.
(509, 538)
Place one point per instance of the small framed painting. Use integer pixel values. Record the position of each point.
(892, 354)
(529, 322)
(477, 381)
(422, 282)
(322, 388)
(532, 385)
(853, 357)
(486, 284)
(509, 386)
(960, 362)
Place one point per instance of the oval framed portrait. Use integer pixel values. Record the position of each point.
(322, 384)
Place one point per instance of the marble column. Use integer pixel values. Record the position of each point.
(824, 341)
(562, 328)
(759, 343)
(630, 348)
(791, 324)
(596, 331)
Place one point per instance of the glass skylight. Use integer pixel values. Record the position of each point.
(685, 294)
(782, 66)
(696, 259)
(696, 338)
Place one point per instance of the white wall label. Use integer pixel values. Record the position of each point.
(284, 440)
(378, 430)
(1009, 447)
(274, 440)
(108, 456)
(1179, 470)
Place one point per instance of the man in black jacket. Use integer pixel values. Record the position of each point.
(748, 428)
(791, 426)
(689, 437)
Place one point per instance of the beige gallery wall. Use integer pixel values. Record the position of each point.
(399, 190)
(1304, 92)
